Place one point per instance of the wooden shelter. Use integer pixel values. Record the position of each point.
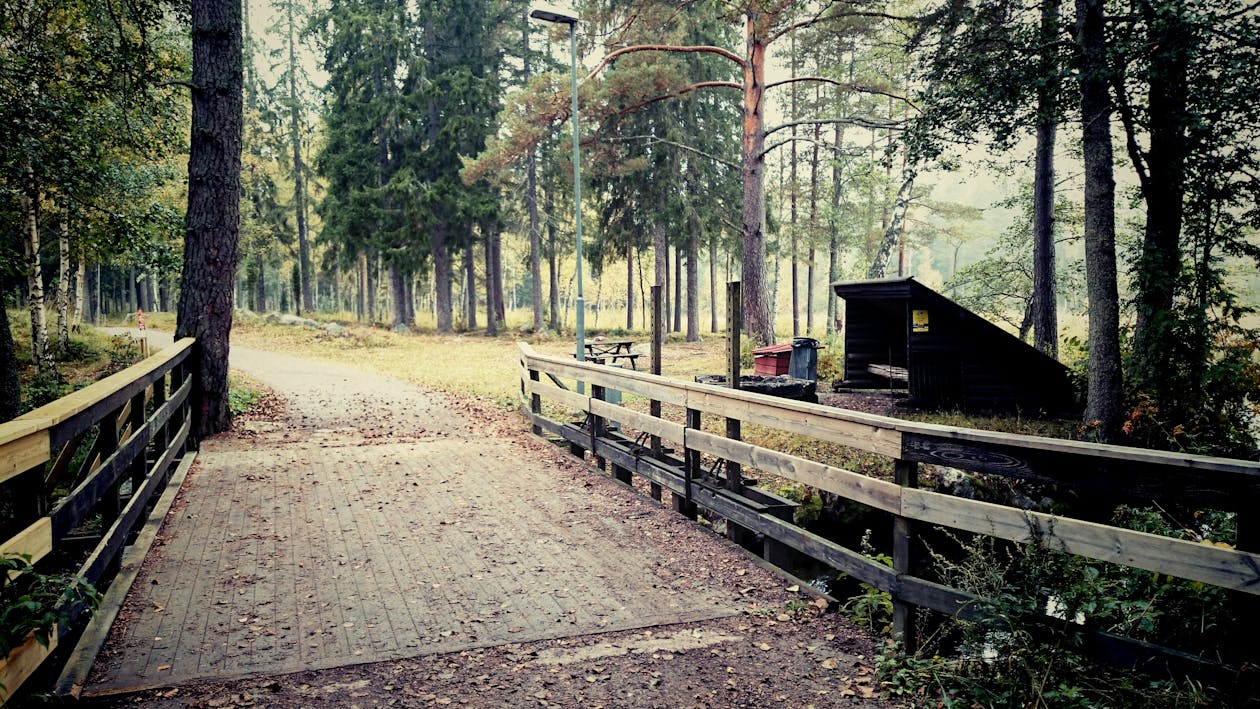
(899, 330)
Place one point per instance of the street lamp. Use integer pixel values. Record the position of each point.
(550, 15)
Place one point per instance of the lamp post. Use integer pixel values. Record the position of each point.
(571, 20)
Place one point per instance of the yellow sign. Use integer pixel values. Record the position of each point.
(919, 321)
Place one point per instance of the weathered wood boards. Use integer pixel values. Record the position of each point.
(133, 415)
(1111, 469)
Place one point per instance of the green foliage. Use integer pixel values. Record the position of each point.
(831, 359)
(1026, 650)
(32, 602)
(872, 608)
(241, 398)
(809, 503)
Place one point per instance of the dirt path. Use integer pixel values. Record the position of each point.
(366, 543)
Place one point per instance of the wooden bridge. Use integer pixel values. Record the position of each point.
(377, 522)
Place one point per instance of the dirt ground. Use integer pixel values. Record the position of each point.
(780, 649)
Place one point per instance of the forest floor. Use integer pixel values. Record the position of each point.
(383, 544)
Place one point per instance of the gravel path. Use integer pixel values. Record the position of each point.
(358, 541)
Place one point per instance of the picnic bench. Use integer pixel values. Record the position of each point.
(599, 351)
(889, 372)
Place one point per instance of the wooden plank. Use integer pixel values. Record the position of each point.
(640, 422)
(71, 510)
(571, 399)
(75, 673)
(1121, 472)
(36, 541)
(112, 543)
(879, 494)
(25, 451)
(629, 381)
(1227, 568)
(876, 434)
(22, 663)
(78, 411)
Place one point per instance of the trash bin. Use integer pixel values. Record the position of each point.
(804, 364)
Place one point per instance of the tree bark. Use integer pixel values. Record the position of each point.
(531, 208)
(492, 328)
(306, 275)
(833, 239)
(713, 317)
(1045, 311)
(813, 225)
(212, 222)
(693, 287)
(41, 355)
(553, 275)
(1103, 406)
(630, 288)
(398, 291)
(63, 284)
(10, 384)
(1159, 263)
(758, 321)
(441, 276)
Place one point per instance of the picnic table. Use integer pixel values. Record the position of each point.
(599, 351)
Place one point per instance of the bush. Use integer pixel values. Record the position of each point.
(35, 602)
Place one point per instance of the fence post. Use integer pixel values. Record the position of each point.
(691, 467)
(597, 427)
(535, 405)
(654, 406)
(906, 474)
(734, 430)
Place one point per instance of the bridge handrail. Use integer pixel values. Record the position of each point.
(142, 418)
(1114, 471)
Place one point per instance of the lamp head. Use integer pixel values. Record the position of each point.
(551, 14)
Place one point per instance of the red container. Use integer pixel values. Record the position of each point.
(772, 360)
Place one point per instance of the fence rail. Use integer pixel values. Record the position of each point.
(111, 447)
(1100, 471)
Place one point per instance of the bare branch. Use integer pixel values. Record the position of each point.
(653, 140)
(673, 48)
(846, 86)
(681, 92)
(820, 18)
(860, 122)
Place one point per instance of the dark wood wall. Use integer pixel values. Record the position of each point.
(959, 361)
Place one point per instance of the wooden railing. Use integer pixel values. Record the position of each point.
(111, 448)
(1102, 471)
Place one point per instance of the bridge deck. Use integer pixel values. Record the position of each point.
(370, 521)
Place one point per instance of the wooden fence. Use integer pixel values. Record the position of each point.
(1107, 472)
(111, 446)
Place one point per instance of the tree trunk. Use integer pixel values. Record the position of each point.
(80, 295)
(496, 276)
(1103, 406)
(1159, 264)
(693, 286)
(713, 318)
(306, 274)
(63, 284)
(441, 277)
(41, 355)
(1045, 317)
(553, 275)
(678, 293)
(630, 288)
(792, 199)
(531, 208)
(492, 328)
(212, 223)
(833, 239)
(892, 230)
(757, 317)
(398, 289)
(260, 283)
(10, 384)
(362, 279)
(470, 288)
(813, 225)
